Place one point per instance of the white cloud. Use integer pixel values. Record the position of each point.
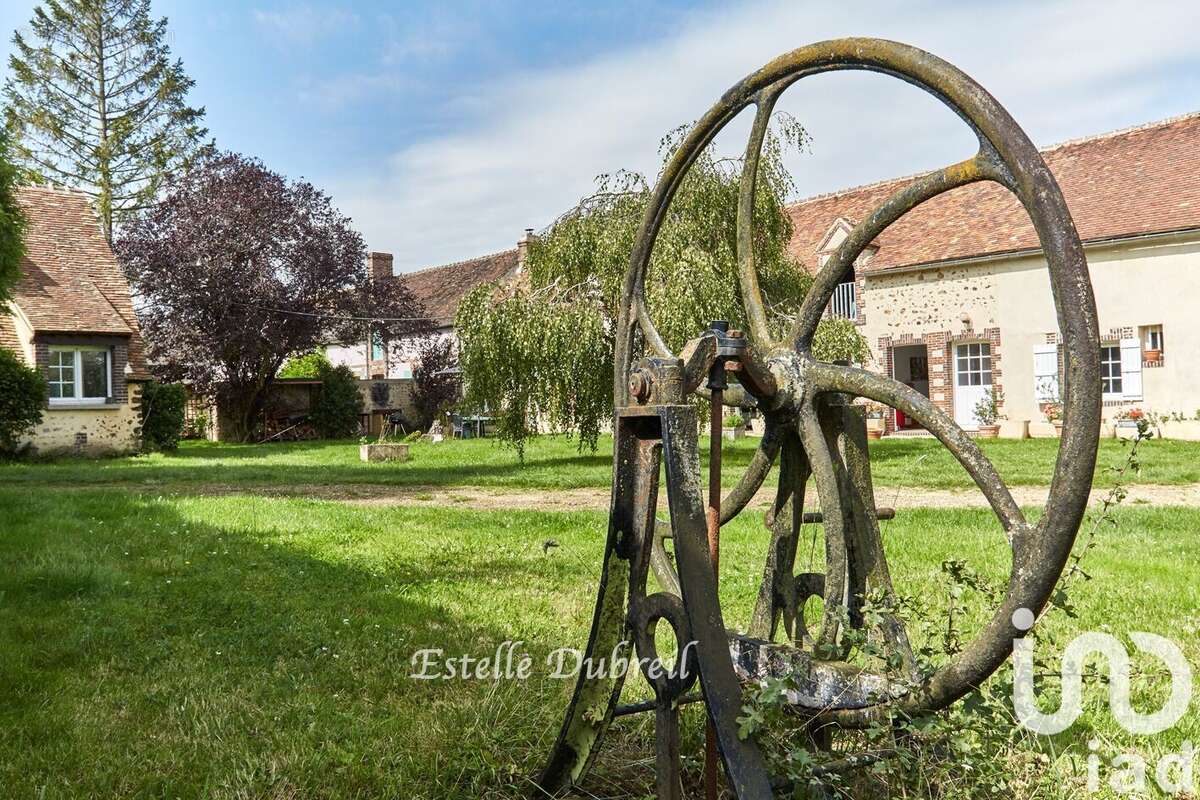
(533, 142)
(304, 24)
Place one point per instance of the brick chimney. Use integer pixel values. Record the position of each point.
(523, 248)
(379, 265)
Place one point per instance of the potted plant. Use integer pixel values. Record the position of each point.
(1054, 412)
(1152, 356)
(987, 411)
(876, 424)
(1129, 422)
(733, 427)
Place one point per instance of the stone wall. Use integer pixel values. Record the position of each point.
(100, 430)
(1007, 302)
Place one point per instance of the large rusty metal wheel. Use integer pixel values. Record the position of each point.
(803, 400)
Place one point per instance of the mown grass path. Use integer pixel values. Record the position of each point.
(555, 463)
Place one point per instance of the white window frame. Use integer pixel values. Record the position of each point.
(1115, 347)
(78, 399)
(1149, 332)
(977, 363)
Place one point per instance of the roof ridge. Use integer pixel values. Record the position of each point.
(457, 263)
(1143, 126)
(1095, 137)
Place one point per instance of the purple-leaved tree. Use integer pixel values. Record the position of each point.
(238, 268)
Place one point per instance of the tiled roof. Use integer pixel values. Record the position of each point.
(1137, 181)
(70, 280)
(441, 289)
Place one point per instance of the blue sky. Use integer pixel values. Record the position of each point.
(444, 129)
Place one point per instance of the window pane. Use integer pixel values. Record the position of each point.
(987, 378)
(95, 373)
(964, 379)
(62, 374)
(985, 349)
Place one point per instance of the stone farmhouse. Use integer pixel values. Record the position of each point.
(954, 299)
(440, 290)
(72, 318)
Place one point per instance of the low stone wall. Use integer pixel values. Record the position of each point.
(104, 430)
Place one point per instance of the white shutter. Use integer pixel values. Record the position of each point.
(1131, 369)
(1045, 373)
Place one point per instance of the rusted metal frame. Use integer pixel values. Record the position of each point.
(924, 188)
(777, 591)
(753, 373)
(733, 503)
(745, 768)
(752, 301)
(868, 567)
(829, 490)
(582, 730)
(1027, 176)
(668, 688)
(823, 378)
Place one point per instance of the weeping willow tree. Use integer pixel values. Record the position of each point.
(543, 347)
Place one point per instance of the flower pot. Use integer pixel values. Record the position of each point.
(733, 434)
(1152, 356)
(390, 451)
(1058, 427)
(875, 433)
(988, 431)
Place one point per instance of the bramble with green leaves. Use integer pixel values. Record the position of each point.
(543, 350)
(974, 748)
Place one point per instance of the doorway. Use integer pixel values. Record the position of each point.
(910, 366)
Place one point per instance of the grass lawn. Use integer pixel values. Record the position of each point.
(554, 462)
(156, 646)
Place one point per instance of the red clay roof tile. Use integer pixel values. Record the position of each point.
(1137, 181)
(70, 279)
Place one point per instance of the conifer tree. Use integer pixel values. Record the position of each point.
(95, 101)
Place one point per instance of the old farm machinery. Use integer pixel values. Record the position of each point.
(813, 430)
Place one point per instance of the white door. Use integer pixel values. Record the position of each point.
(972, 380)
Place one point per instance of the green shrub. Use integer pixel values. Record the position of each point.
(162, 414)
(23, 396)
(335, 415)
(733, 421)
(308, 365)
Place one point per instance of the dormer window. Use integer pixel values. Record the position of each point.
(79, 375)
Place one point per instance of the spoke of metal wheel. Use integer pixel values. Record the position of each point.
(752, 301)
(777, 595)
(649, 332)
(821, 462)
(868, 567)
(752, 479)
(913, 194)
(823, 377)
